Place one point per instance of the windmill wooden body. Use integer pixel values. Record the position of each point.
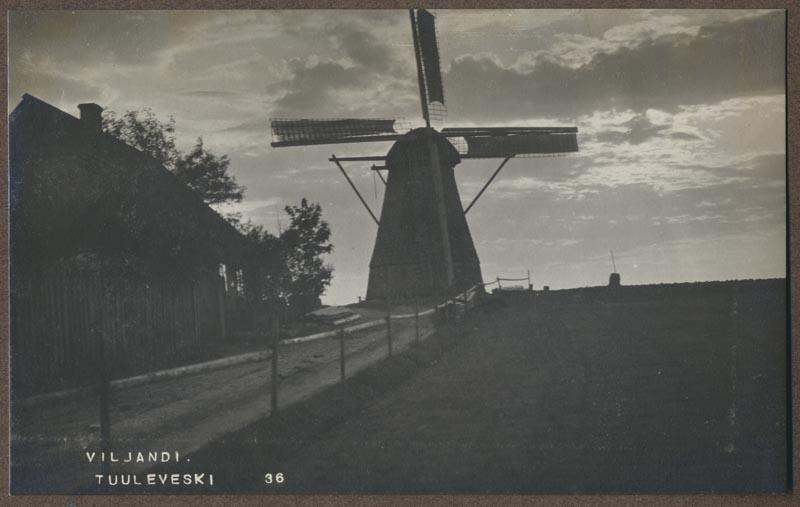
(424, 246)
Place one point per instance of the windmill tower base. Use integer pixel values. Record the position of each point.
(409, 255)
(409, 281)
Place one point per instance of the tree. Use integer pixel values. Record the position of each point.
(207, 174)
(269, 263)
(288, 271)
(200, 169)
(144, 131)
(305, 241)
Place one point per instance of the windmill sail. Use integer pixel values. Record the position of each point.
(429, 55)
(520, 144)
(286, 132)
(502, 131)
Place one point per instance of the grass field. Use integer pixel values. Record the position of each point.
(673, 388)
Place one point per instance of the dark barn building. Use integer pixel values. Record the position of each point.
(112, 256)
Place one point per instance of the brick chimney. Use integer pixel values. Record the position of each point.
(91, 116)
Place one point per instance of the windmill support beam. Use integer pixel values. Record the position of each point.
(352, 185)
(496, 172)
(378, 169)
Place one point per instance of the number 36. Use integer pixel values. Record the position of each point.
(273, 478)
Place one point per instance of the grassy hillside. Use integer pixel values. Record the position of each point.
(672, 388)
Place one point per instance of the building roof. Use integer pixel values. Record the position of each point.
(71, 184)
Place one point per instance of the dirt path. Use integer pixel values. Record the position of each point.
(682, 394)
(182, 414)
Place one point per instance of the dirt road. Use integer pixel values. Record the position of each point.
(49, 441)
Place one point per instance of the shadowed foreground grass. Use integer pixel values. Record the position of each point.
(653, 389)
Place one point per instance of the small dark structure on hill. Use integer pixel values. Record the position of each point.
(614, 278)
(109, 250)
(424, 246)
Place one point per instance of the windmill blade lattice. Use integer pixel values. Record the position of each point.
(423, 27)
(502, 142)
(514, 145)
(295, 131)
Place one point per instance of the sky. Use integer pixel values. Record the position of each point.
(681, 119)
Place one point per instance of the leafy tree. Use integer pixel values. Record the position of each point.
(269, 261)
(305, 241)
(200, 169)
(144, 131)
(207, 174)
(287, 272)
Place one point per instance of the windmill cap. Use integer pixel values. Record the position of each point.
(416, 140)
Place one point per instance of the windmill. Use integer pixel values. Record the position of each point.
(423, 246)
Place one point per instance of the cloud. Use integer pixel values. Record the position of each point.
(362, 47)
(639, 129)
(312, 85)
(65, 92)
(126, 38)
(745, 56)
(369, 77)
(332, 88)
(575, 50)
(213, 94)
(684, 136)
(248, 126)
(766, 169)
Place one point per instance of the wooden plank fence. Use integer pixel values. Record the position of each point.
(58, 320)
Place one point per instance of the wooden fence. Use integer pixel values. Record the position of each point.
(59, 322)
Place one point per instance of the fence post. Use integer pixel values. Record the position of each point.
(498, 282)
(195, 313)
(276, 328)
(456, 298)
(221, 304)
(440, 310)
(453, 297)
(389, 324)
(416, 318)
(448, 316)
(530, 286)
(105, 416)
(341, 351)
